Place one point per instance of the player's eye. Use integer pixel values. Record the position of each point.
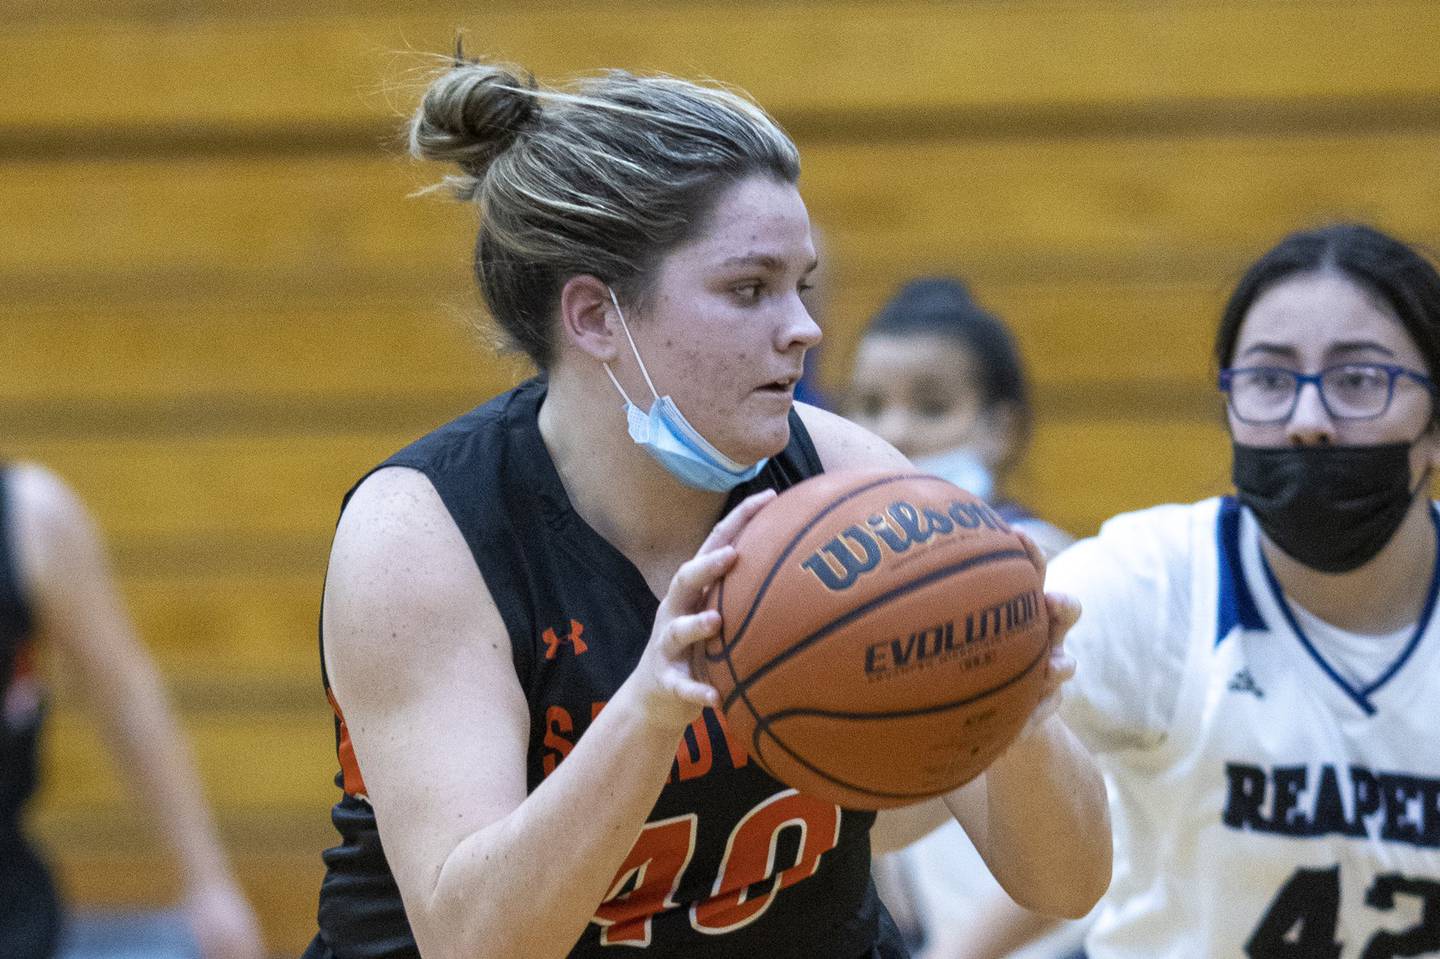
(1271, 380)
(1358, 378)
(933, 407)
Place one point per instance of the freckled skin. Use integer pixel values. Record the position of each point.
(717, 332)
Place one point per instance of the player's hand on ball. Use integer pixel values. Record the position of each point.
(683, 622)
(1064, 612)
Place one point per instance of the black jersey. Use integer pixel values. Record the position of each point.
(731, 862)
(30, 916)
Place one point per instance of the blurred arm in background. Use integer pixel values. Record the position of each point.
(78, 611)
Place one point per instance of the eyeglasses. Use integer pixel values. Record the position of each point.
(1348, 391)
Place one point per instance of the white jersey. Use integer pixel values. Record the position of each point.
(1264, 804)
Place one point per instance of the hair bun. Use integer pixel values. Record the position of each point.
(471, 114)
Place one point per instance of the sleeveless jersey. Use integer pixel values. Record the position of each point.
(30, 916)
(730, 863)
(1265, 805)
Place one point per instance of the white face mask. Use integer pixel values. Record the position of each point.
(963, 468)
(667, 436)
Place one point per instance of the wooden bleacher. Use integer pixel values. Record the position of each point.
(219, 303)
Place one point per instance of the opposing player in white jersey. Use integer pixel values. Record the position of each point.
(1262, 672)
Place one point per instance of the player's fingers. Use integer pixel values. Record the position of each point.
(728, 528)
(1064, 611)
(693, 691)
(685, 631)
(1062, 667)
(694, 577)
(1034, 552)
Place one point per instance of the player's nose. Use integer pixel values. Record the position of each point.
(798, 328)
(1310, 423)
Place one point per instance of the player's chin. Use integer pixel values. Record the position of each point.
(768, 426)
(767, 437)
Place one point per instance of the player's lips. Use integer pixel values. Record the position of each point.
(784, 384)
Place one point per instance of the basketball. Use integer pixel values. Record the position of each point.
(884, 638)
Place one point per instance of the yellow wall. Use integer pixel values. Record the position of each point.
(218, 303)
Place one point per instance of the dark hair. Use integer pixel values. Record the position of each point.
(1398, 275)
(604, 176)
(943, 306)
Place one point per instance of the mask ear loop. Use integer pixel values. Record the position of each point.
(643, 372)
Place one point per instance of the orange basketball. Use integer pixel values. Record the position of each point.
(884, 638)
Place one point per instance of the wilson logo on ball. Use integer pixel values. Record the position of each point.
(914, 662)
(856, 551)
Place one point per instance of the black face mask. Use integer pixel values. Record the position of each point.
(1332, 508)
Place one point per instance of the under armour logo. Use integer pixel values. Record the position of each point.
(571, 639)
(1243, 682)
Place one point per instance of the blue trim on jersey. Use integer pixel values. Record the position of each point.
(1425, 613)
(1362, 696)
(1358, 696)
(1237, 605)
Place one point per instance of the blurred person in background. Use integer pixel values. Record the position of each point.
(942, 380)
(1258, 673)
(56, 592)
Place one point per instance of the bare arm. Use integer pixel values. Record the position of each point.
(998, 929)
(1038, 814)
(80, 614)
(419, 659)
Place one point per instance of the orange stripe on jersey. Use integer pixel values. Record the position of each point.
(353, 783)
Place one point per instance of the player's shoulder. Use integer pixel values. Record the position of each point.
(1169, 525)
(397, 545)
(459, 465)
(473, 439)
(58, 548)
(394, 508)
(399, 566)
(843, 445)
(49, 519)
(1156, 543)
(40, 495)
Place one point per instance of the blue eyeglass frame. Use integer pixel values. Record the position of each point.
(1393, 372)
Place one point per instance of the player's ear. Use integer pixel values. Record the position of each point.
(588, 317)
(1429, 443)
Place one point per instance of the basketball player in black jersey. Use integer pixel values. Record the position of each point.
(55, 591)
(512, 601)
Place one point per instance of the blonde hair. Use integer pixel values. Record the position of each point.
(604, 177)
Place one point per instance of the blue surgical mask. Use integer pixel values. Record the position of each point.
(667, 436)
(961, 467)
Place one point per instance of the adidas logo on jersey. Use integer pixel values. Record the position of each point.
(1243, 682)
